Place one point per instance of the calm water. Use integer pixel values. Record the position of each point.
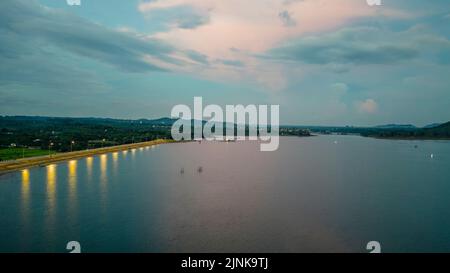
(325, 193)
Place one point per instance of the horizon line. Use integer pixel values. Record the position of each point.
(281, 125)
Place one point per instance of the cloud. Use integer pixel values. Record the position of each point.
(235, 63)
(287, 19)
(361, 45)
(340, 87)
(52, 61)
(192, 21)
(27, 27)
(197, 57)
(288, 2)
(255, 26)
(368, 106)
(181, 16)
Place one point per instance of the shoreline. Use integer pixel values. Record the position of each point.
(410, 138)
(23, 163)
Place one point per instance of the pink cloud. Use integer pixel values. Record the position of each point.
(254, 26)
(368, 106)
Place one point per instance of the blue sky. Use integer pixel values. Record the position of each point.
(324, 62)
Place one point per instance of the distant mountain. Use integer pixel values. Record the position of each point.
(396, 126)
(159, 121)
(441, 130)
(433, 125)
(444, 125)
(85, 120)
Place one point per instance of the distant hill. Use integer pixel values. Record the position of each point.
(160, 121)
(33, 131)
(396, 126)
(19, 120)
(433, 125)
(441, 130)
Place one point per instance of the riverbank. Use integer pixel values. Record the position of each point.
(409, 138)
(19, 164)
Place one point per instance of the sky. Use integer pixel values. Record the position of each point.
(325, 62)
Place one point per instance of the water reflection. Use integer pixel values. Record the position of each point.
(103, 179)
(25, 187)
(51, 192)
(299, 199)
(25, 196)
(72, 177)
(89, 161)
(103, 168)
(115, 158)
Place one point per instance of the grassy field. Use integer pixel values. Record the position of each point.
(15, 153)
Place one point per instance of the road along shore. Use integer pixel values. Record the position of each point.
(23, 163)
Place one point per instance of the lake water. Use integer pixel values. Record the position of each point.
(317, 194)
